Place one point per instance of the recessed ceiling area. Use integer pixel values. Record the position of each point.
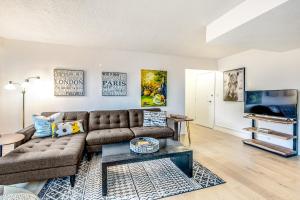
(239, 15)
(275, 30)
(176, 27)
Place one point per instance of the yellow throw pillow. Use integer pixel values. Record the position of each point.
(67, 128)
(53, 129)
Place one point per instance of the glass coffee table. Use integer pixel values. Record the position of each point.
(120, 153)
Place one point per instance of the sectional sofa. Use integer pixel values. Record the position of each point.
(37, 159)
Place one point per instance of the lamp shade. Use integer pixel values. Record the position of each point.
(25, 84)
(10, 86)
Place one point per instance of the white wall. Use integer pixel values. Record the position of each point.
(19, 60)
(190, 87)
(264, 70)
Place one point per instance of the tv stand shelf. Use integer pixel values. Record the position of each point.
(270, 132)
(271, 147)
(277, 149)
(271, 119)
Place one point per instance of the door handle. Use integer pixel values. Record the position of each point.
(209, 101)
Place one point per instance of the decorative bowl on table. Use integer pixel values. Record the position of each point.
(144, 145)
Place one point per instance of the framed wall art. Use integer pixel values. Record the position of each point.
(68, 82)
(114, 84)
(153, 88)
(234, 85)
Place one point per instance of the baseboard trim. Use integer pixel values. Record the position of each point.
(230, 131)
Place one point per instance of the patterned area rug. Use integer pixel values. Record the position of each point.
(144, 180)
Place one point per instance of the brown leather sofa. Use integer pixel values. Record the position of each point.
(37, 159)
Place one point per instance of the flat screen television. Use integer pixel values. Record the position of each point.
(275, 103)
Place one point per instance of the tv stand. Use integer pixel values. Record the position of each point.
(277, 149)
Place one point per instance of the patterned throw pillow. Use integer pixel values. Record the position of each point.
(67, 128)
(43, 125)
(154, 118)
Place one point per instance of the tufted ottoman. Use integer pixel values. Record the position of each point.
(42, 158)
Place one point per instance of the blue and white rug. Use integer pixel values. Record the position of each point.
(144, 180)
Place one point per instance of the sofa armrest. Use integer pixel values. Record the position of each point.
(27, 132)
(171, 124)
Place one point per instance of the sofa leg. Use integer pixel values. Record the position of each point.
(72, 180)
(89, 156)
(1, 190)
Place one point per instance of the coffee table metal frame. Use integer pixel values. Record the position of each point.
(181, 156)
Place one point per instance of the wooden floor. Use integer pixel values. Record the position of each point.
(249, 173)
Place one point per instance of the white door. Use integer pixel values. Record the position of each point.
(205, 99)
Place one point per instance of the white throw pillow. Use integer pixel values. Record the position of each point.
(67, 128)
(155, 118)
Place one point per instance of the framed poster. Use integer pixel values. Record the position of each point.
(68, 82)
(114, 84)
(234, 85)
(153, 88)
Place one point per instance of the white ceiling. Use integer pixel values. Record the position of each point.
(175, 27)
(159, 26)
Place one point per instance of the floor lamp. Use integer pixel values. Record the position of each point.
(13, 85)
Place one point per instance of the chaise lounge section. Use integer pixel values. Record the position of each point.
(43, 158)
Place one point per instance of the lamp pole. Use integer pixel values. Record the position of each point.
(23, 108)
(12, 85)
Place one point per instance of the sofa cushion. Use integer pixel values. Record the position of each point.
(43, 153)
(155, 132)
(73, 116)
(108, 136)
(108, 119)
(94, 148)
(136, 116)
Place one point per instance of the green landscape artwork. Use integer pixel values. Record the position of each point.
(153, 88)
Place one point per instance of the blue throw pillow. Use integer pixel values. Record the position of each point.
(43, 125)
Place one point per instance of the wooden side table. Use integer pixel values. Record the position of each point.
(6, 139)
(178, 123)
